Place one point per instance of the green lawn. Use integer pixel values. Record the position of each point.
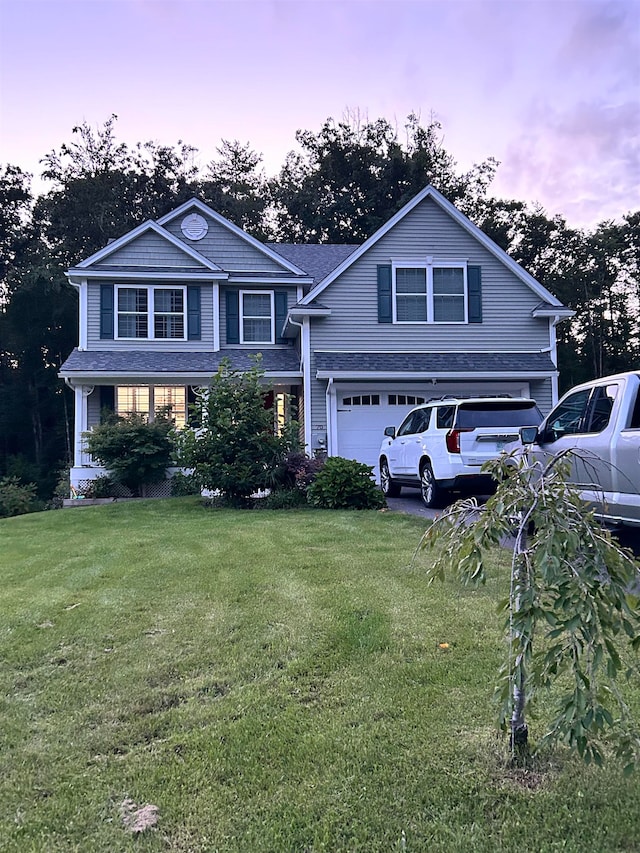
(271, 681)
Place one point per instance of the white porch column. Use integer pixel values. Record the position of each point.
(81, 423)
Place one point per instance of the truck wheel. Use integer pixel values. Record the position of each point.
(390, 489)
(431, 492)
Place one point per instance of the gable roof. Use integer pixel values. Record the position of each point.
(204, 209)
(127, 238)
(459, 217)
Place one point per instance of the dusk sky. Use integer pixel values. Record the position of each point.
(551, 89)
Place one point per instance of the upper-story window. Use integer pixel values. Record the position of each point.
(256, 317)
(430, 292)
(151, 312)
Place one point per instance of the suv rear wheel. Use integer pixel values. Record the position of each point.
(390, 489)
(432, 493)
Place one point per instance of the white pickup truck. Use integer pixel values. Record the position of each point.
(600, 421)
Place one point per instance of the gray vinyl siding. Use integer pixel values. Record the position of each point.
(93, 407)
(227, 249)
(94, 342)
(507, 302)
(541, 393)
(150, 250)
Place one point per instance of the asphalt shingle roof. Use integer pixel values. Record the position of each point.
(428, 362)
(284, 360)
(316, 259)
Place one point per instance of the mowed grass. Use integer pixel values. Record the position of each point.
(271, 681)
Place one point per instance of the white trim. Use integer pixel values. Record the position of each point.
(129, 274)
(332, 418)
(306, 383)
(341, 375)
(137, 377)
(137, 232)
(553, 354)
(462, 220)
(203, 208)
(151, 312)
(83, 315)
(258, 277)
(241, 295)
(216, 316)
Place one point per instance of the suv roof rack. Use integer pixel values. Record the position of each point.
(470, 397)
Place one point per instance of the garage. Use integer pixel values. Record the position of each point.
(363, 412)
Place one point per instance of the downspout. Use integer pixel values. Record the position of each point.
(330, 442)
(553, 341)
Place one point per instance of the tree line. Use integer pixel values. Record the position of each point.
(341, 184)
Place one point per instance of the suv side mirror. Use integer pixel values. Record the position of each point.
(390, 431)
(529, 435)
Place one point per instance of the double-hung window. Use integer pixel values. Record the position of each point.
(151, 313)
(430, 291)
(256, 317)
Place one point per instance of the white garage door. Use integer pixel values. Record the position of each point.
(363, 413)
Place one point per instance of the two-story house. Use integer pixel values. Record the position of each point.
(427, 306)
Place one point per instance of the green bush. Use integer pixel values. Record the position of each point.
(184, 484)
(235, 451)
(345, 484)
(16, 498)
(102, 487)
(283, 499)
(136, 452)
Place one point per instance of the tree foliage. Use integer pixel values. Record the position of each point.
(235, 451)
(353, 175)
(136, 452)
(572, 616)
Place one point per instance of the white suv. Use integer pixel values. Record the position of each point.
(442, 445)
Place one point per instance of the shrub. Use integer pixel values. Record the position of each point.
(102, 487)
(283, 499)
(345, 484)
(184, 484)
(16, 498)
(235, 451)
(136, 452)
(297, 471)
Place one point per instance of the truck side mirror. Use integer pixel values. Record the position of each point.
(390, 431)
(529, 435)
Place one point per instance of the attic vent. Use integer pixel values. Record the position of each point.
(194, 226)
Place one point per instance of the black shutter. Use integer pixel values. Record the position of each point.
(233, 316)
(107, 398)
(281, 314)
(474, 283)
(385, 313)
(193, 313)
(193, 415)
(106, 312)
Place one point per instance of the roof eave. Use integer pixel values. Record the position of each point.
(433, 374)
